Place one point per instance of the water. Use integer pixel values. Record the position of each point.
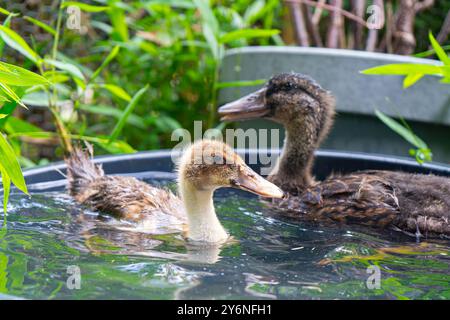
(268, 259)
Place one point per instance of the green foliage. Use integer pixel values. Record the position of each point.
(175, 47)
(422, 152)
(413, 72)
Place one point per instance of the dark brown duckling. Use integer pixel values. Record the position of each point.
(412, 202)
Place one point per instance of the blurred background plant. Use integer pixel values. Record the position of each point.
(412, 73)
(100, 53)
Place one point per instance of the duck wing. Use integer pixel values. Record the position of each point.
(129, 198)
(351, 199)
(424, 201)
(411, 202)
(123, 197)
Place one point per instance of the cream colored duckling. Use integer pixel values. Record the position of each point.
(204, 167)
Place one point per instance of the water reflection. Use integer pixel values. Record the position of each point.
(269, 259)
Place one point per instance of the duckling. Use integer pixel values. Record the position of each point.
(414, 203)
(204, 167)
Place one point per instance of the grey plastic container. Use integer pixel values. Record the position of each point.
(426, 105)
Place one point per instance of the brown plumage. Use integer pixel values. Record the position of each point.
(122, 197)
(204, 167)
(414, 203)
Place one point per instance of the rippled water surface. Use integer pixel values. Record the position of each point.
(269, 259)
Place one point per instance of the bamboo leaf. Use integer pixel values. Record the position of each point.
(84, 6)
(11, 94)
(254, 11)
(16, 42)
(10, 164)
(6, 181)
(207, 15)
(16, 76)
(244, 83)
(439, 50)
(108, 59)
(118, 20)
(133, 119)
(128, 110)
(56, 77)
(247, 34)
(41, 24)
(117, 91)
(211, 39)
(405, 69)
(18, 125)
(70, 68)
(8, 13)
(407, 134)
(411, 79)
(428, 53)
(113, 147)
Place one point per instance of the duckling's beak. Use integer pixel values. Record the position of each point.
(249, 180)
(249, 107)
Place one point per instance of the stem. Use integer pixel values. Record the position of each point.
(52, 98)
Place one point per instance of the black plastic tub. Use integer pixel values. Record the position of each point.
(159, 165)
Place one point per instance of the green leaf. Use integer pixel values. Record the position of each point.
(428, 53)
(16, 42)
(6, 23)
(41, 24)
(3, 115)
(133, 119)
(10, 164)
(113, 147)
(117, 91)
(11, 94)
(247, 34)
(128, 110)
(119, 23)
(407, 134)
(6, 181)
(8, 13)
(243, 83)
(207, 15)
(108, 59)
(16, 76)
(70, 68)
(84, 6)
(254, 11)
(405, 69)
(10, 106)
(56, 77)
(18, 125)
(439, 51)
(166, 123)
(3, 98)
(412, 78)
(211, 40)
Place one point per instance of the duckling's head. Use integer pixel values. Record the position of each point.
(287, 98)
(207, 165)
